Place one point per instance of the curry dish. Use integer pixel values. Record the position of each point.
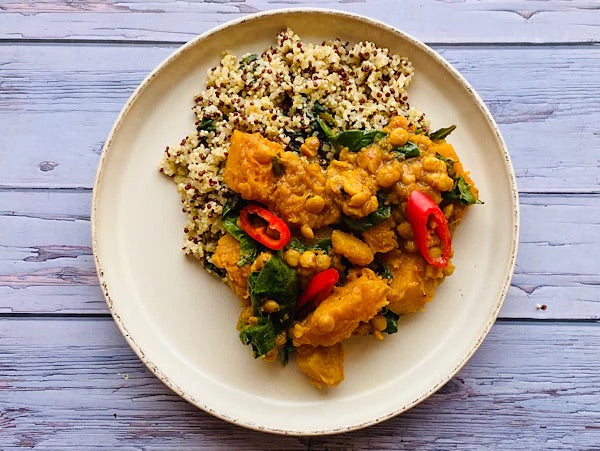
(320, 195)
(349, 218)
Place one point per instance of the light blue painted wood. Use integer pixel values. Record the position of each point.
(75, 382)
(430, 20)
(46, 263)
(546, 101)
(533, 385)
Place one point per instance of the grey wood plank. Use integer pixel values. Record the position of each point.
(46, 264)
(61, 101)
(430, 20)
(75, 383)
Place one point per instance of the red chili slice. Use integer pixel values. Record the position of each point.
(266, 228)
(420, 209)
(318, 287)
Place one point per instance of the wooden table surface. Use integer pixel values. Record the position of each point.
(68, 378)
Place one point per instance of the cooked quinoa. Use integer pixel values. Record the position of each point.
(275, 94)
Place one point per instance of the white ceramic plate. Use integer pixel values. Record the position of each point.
(181, 322)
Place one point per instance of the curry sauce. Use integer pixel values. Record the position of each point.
(349, 215)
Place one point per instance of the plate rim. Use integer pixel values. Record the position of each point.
(509, 269)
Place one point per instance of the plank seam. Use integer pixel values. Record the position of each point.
(167, 43)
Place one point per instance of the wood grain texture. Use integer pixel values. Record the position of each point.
(46, 264)
(75, 382)
(429, 20)
(546, 100)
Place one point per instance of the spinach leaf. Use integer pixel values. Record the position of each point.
(248, 255)
(295, 144)
(355, 140)
(284, 353)
(360, 225)
(231, 205)
(446, 160)
(387, 271)
(408, 150)
(248, 247)
(206, 124)
(441, 133)
(318, 109)
(329, 134)
(449, 164)
(260, 336)
(316, 112)
(461, 192)
(392, 321)
(276, 281)
(297, 245)
(210, 267)
(323, 245)
(277, 167)
(254, 298)
(248, 59)
(381, 268)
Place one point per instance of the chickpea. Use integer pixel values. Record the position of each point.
(291, 257)
(270, 306)
(445, 183)
(398, 137)
(297, 331)
(432, 164)
(260, 261)
(439, 181)
(417, 170)
(308, 259)
(244, 317)
(435, 252)
(378, 322)
(315, 204)
(323, 261)
(307, 232)
(352, 187)
(405, 231)
(421, 138)
(359, 199)
(370, 206)
(253, 320)
(310, 147)
(398, 122)
(410, 246)
(388, 175)
(408, 178)
(448, 210)
(369, 159)
(448, 270)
